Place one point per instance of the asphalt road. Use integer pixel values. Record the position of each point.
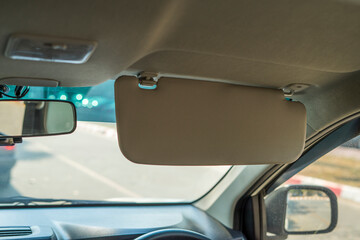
(305, 214)
(347, 227)
(86, 165)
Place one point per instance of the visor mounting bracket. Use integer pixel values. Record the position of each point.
(147, 80)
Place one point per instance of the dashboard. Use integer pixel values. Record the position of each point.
(107, 222)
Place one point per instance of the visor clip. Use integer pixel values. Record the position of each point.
(147, 80)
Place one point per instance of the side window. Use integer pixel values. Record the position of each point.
(310, 209)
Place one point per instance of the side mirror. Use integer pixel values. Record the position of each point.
(301, 209)
(28, 118)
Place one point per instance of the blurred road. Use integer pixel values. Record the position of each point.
(347, 227)
(86, 165)
(306, 214)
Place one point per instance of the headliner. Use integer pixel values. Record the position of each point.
(259, 43)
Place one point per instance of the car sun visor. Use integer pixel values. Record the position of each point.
(192, 122)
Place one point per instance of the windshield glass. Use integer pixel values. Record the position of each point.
(88, 163)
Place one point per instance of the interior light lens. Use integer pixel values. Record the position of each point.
(49, 49)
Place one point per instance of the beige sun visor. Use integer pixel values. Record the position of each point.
(191, 122)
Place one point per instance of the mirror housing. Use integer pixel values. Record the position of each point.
(30, 118)
(279, 217)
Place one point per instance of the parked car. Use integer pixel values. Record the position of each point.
(7, 162)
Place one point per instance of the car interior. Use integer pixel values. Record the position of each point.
(188, 118)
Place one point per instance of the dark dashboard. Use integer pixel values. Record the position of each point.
(107, 222)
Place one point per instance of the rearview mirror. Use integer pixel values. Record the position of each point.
(29, 118)
(301, 209)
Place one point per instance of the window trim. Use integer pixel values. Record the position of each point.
(334, 139)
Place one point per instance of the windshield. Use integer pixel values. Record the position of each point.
(88, 163)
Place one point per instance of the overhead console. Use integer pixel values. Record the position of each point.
(191, 122)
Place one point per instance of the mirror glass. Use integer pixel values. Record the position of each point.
(307, 210)
(27, 118)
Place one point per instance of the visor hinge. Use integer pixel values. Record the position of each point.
(293, 88)
(147, 80)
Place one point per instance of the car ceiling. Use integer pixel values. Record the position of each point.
(258, 43)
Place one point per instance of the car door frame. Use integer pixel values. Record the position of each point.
(250, 214)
